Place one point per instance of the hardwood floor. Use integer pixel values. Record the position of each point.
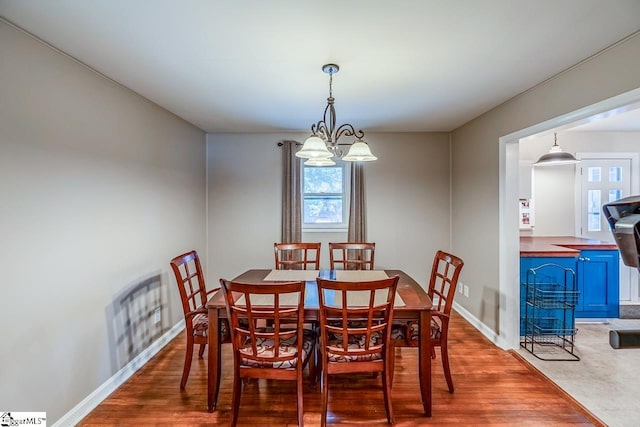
(492, 387)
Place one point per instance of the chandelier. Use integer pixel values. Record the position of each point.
(322, 145)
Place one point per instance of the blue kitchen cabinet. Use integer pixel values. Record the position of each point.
(598, 283)
(597, 276)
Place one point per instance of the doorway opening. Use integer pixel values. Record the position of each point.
(509, 265)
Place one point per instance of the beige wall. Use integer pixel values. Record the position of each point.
(407, 199)
(100, 188)
(479, 161)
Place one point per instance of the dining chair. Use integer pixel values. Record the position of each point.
(443, 282)
(297, 256)
(352, 255)
(279, 352)
(194, 295)
(355, 327)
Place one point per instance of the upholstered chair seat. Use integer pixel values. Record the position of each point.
(409, 332)
(287, 349)
(334, 342)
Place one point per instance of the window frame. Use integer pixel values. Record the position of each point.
(346, 186)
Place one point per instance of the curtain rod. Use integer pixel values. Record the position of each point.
(281, 143)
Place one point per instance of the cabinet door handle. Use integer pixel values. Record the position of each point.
(580, 259)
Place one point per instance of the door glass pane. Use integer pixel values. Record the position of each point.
(615, 195)
(593, 212)
(615, 174)
(594, 174)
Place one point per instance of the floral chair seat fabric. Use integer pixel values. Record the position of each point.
(287, 347)
(409, 332)
(356, 342)
(201, 326)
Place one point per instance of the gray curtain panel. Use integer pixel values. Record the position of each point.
(357, 205)
(291, 194)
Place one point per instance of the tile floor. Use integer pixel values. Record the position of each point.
(604, 380)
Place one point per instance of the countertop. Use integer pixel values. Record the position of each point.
(559, 246)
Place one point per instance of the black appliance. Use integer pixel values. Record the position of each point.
(624, 218)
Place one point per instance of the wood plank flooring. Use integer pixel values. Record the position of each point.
(492, 387)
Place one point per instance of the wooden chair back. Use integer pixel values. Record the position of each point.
(194, 295)
(281, 305)
(443, 281)
(352, 255)
(190, 280)
(297, 256)
(355, 332)
(277, 352)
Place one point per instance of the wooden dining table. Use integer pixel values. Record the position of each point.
(417, 307)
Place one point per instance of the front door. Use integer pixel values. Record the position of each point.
(604, 180)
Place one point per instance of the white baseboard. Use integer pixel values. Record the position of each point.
(480, 326)
(89, 403)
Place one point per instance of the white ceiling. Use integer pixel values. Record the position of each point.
(620, 120)
(255, 66)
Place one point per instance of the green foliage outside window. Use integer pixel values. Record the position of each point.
(323, 198)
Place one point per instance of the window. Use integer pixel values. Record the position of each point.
(593, 212)
(600, 179)
(615, 174)
(325, 203)
(593, 174)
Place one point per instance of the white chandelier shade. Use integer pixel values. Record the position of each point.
(317, 161)
(359, 152)
(314, 148)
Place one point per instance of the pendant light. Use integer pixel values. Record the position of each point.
(555, 156)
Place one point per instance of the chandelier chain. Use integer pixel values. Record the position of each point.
(331, 83)
(326, 128)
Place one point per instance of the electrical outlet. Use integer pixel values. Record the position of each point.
(466, 291)
(156, 316)
(460, 287)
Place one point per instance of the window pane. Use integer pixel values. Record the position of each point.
(322, 180)
(322, 209)
(593, 209)
(615, 195)
(593, 174)
(615, 174)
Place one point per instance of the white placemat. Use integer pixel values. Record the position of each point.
(360, 275)
(355, 298)
(267, 300)
(361, 298)
(291, 275)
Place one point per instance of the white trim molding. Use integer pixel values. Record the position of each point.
(480, 326)
(89, 403)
